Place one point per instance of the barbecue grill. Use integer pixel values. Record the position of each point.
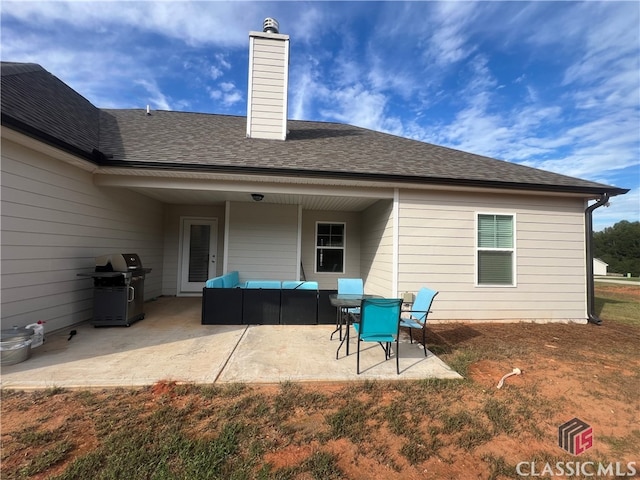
(118, 289)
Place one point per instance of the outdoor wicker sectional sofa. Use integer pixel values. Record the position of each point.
(227, 301)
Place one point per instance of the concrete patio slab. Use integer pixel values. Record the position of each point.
(171, 344)
(305, 353)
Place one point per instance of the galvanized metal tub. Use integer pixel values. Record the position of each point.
(15, 345)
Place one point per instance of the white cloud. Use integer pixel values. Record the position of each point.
(357, 106)
(227, 86)
(301, 91)
(226, 94)
(232, 98)
(215, 72)
(449, 41)
(158, 100)
(219, 67)
(222, 60)
(304, 25)
(196, 23)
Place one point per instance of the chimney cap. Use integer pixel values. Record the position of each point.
(270, 25)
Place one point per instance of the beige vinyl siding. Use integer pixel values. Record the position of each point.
(437, 248)
(172, 227)
(263, 241)
(267, 110)
(55, 221)
(329, 280)
(377, 248)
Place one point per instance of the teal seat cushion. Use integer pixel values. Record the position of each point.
(266, 284)
(214, 283)
(231, 279)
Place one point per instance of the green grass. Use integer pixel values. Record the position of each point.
(350, 421)
(500, 416)
(160, 452)
(420, 448)
(51, 456)
(456, 421)
(621, 445)
(498, 467)
(323, 466)
(611, 305)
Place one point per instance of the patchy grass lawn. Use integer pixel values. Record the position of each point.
(368, 430)
(618, 302)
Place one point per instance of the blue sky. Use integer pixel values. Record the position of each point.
(553, 85)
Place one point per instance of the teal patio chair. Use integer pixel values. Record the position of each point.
(351, 286)
(379, 322)
(348, 286)
(416, 318)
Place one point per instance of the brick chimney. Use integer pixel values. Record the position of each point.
(268, 83)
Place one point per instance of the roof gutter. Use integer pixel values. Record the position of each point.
(96, 156)
(591, 296)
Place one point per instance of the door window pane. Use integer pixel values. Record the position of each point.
(199, 253)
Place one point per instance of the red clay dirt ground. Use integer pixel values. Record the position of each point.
(412, 430)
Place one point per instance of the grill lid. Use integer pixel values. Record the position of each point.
(118, 262)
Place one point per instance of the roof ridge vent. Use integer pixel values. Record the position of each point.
(270, 25)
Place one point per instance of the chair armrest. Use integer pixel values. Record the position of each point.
(421, 318)
(418, 311)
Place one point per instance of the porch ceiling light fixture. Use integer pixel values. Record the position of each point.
(257, 197)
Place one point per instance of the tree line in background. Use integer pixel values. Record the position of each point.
(619, 246)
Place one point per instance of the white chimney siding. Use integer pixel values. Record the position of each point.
(268, 85)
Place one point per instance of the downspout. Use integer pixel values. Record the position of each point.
(591, 296)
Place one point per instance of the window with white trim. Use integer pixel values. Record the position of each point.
(496, 249)
(330, 243)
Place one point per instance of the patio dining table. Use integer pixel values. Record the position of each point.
(343, 302)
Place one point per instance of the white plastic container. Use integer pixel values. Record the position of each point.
(38, 334)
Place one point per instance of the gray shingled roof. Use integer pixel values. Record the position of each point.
(39, 104)
(35, 101)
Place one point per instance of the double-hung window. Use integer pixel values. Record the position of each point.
(330, 242)
(496, 249)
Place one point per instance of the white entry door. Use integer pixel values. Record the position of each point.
(198, 256)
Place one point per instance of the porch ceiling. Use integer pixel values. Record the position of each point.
(209, 197)
(214, 188)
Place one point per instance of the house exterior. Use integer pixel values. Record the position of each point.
(599, 267)
(197, 195)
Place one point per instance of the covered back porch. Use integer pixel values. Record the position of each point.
(281, 229)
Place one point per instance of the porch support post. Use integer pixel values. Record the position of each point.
(225, 252)
(299, 245)
(396, 240)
